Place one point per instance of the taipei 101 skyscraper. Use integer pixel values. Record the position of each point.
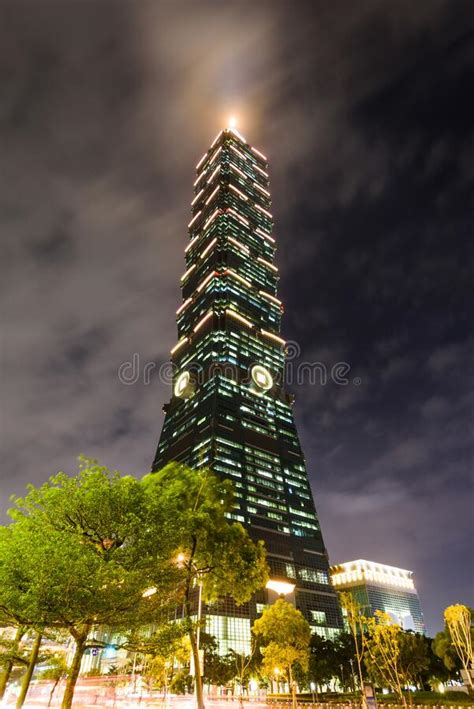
(229, 409)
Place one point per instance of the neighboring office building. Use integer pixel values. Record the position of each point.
(383, 588)
(229, 409)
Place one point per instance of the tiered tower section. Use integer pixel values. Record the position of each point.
(229, 409)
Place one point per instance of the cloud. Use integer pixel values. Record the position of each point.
(435, 407)
(104, 111)
(445, 357)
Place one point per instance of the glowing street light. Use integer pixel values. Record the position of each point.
(232, 122)
(283, 588)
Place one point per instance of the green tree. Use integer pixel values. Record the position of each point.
(357, 622)
(217, 669)
(244, 667)
(322, 660)
(55, 671)
(217, 557)
(414, 657)
(157, 672)
(284, 635)
(157, 651)
(436, 672)
(10, 655)
(30, 667)
(459, 623)
(383, 656)
(345, 660)
(443, 648)
(23, 650)
(16, 607)
(81, 551)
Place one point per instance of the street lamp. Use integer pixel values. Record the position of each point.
(283, 588)
(182, 560)
(353, 675)
(312, 686)
(276, 672)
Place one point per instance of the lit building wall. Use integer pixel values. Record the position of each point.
(381, 587)
(229, 409)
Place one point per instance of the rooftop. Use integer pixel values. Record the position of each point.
(351, 572)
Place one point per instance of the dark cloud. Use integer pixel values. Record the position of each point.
(365, 110)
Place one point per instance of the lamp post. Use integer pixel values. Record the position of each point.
(276, 672)
(353, 675)
(312, 687)
(183, 560)
(199, 615)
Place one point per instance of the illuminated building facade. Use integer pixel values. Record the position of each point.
(229, 409)
(380, 587)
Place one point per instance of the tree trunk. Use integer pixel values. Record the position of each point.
(29, 671)
(197, 671)
(5, 676)
(53, 691)
(75, 668)
(361, 680)
(293, 689)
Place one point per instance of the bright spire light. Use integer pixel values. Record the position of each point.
(232, 123)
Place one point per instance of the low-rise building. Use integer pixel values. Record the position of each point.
(381, 587)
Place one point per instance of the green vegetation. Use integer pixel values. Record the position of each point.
(283, 635)
(216, 557)
(101, 549)
(459, 624)
(357, 625)
(100, 553)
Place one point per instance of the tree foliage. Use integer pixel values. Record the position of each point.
(322, 660)
(216, 552)
(332, 658)
(81, 551)
(459, 623)
(357, 623)
(444, 649)
(414, 657)
(55, 671)
(244, 667)
(11, 654)
(102, 549)
(217, 669)
(283, 634)
(217, 556)
(384, 653)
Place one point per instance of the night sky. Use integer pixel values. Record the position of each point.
(366, 112)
